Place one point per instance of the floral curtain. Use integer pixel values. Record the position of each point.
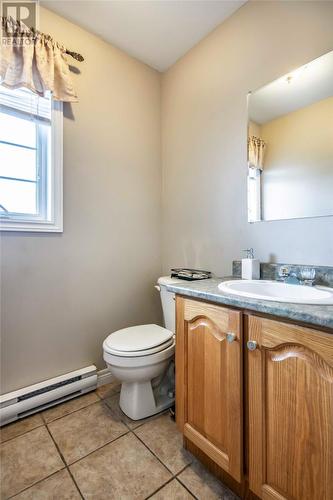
(256, 152)
(34, 60)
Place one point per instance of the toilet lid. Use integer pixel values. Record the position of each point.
(137, 354)
(137, 338)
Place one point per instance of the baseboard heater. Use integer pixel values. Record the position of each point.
(38, 397)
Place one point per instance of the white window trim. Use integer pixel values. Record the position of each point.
(254, 210)
(54, 223)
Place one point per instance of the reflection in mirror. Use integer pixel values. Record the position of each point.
(290, 145)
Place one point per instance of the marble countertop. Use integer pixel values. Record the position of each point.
(208, 290)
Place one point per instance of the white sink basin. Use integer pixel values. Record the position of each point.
(279, 292)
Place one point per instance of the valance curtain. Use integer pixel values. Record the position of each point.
(256, 152)
(35, 61)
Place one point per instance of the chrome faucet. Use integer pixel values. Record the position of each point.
(288, 277)
(306, 276)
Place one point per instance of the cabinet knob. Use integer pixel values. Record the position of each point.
(230, 337)
(251, 345)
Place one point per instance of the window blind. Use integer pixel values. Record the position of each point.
(26, 102)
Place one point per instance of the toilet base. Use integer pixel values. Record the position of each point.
(137, 400)
(142, 399)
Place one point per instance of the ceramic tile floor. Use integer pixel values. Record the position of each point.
(87, 448)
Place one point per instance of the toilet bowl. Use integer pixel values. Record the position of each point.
(142, 359)
(147, 387)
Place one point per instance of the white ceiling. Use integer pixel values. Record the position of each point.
(299, 88)
(157, 32)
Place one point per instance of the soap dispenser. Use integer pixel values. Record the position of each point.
(250, 266)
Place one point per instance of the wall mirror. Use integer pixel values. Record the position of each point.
(290, 145)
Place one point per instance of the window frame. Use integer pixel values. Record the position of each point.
(254, 213)
(51, 193)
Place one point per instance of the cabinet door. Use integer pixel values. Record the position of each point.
(290, 411)
(209, 381)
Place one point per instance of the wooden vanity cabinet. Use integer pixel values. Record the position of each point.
(209, 381)
(290, 391)
(284, 451)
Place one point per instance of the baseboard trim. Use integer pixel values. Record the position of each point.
(104, 377)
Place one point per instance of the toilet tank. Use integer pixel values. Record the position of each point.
(168, 302)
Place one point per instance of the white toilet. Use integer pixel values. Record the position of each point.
(142, 359)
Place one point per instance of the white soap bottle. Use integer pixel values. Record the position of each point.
(250, 266)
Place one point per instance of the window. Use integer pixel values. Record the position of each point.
(254, 194)
(30, 161)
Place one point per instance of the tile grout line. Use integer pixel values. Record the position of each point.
(219, 480)
(99, 448)
(71, 412)
(174, 477)
(128, 431)
(153, 453)
(63, 459)
(146, 446)
(74, 481)
(184, 468)
(185, 487)
(23, 433)
(160, 488)
(180, 482)
(44, 422)
(32, 485)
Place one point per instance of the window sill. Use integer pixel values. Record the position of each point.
(31, 226)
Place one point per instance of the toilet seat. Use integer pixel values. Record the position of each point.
(136, 362)
(142, 340)
(145, 352)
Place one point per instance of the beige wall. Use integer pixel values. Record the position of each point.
(63, 293)
(204, 135)
(298, 171)
(254, 129)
